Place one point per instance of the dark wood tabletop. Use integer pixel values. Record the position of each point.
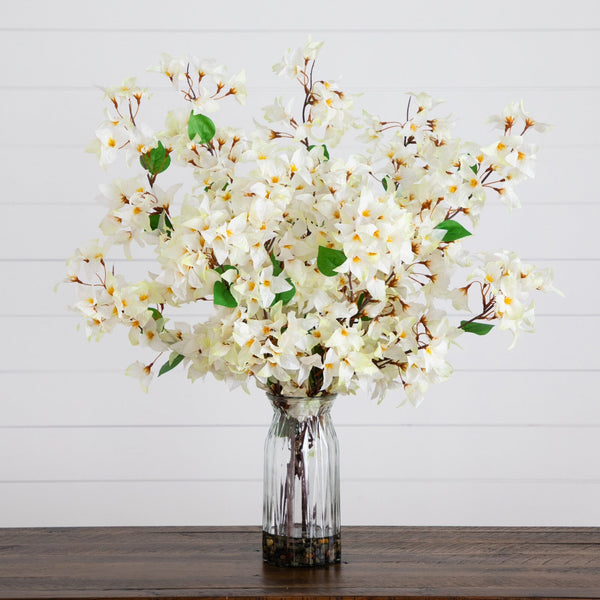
(219, 562)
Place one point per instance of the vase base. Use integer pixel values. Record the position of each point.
(283, 551)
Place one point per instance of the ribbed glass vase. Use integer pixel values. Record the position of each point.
(301, 497)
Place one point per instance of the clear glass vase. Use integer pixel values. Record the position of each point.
(301, 495)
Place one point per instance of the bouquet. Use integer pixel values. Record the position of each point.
(326, 270)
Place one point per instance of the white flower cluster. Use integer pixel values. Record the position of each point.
(327, 273)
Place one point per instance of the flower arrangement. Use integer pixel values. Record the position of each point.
(327, 273)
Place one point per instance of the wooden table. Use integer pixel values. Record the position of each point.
(218, 562)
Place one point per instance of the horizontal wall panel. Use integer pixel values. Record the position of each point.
(474, 398)
(137, 504)
(471, 503)
(165, 453)
(498, 503)
(267, 16)
(33, 282)
(45, 344)
(77, 114)
(509, 59)
(512, 437)
(537, 231)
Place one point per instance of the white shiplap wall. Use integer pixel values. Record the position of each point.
(511, 439)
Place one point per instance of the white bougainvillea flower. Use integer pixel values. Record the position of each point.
(507, 119)
(127, 90)
(142, 372)
(331, 368)
(109, 140)
(298, 265)
(237, 87)
(307, 363)
(295, 60)
(270, 285)
(173, 68)
(531, 122)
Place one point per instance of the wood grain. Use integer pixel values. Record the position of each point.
(217, 562)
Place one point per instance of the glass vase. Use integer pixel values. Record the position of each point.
(301, 495)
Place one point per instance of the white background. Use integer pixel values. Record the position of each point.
(511, 439)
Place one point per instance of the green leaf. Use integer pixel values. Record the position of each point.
(222, 295)
(201, 126)
(277, 269)
(286, 296)
(154, 221)
(173, 361)
(156, 160)
(325, 151)
(156, 314)
(161, 222)
(476, 328)
(454, 230)
(388, 183)
(329, 259)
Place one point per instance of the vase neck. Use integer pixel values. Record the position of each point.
(302, 407)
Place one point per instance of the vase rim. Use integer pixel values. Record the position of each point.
(295, 399)
(302, 406)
